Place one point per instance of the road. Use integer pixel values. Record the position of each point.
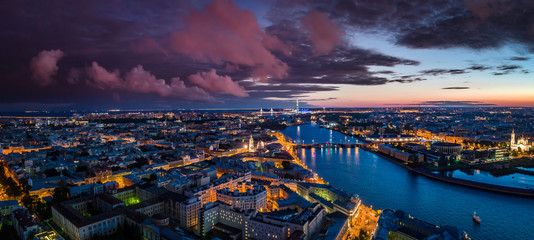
(290, 148)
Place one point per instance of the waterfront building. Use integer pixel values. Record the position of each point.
(447, 148)
(330, 197)
(400, 155)
(520, 144)
(391, 138)
(255, 225)
(399, 225)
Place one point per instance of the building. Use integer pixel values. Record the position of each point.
(6, 207)
(24, 223)
(330, 197)
(400, 155)
(208, 193)
(391, 138)
(103, 214)
(446, 148)
(247, 196)
(397, 225)
(251, 147)
(256, 225)
(86, 190)
(521, 144)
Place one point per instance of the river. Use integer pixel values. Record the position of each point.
(383, 184)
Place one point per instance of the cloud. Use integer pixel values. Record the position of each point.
(455, 103)
(479, 67)
(214, 83)
(507, 69)
(44, 66)
(342, 66)
(148, 45)
(439, 71)
(476, 24)
(519, 58)
(324, 33)
(223, 33)
(455, 71)
(74, 75)
(455, 88)
(287, 91)
(141, 81)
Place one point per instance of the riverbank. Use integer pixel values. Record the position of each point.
(290, 147)
(488, 167)
(529, 193)
(383, 184)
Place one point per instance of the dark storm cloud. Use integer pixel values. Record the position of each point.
(454, 103)
(441, 23)
(123, 34)
(455, 88)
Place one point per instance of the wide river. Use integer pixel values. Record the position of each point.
(383, 184)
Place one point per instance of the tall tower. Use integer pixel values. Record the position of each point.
(251, 147)
(512, 138)
(297, 109)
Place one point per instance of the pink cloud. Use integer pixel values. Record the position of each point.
(215, 83)
(147, 45)
(223, 33)
(74, 75)
(324, 33)
(44, 66)
(141, 81)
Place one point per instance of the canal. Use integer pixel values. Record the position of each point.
(383, 184)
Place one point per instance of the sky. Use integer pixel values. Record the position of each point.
(185, 54)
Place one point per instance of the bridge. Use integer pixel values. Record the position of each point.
(330, 145)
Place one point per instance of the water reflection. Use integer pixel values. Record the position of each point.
(384, 184)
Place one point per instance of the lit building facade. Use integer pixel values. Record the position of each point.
(520, 144)
(250, 196)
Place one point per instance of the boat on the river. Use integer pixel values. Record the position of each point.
(476, 218)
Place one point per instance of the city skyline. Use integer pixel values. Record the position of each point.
(265, 54)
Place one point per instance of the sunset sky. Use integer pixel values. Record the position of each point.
(59, 55)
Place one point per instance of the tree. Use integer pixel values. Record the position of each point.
(30, 201)
(82, 168)
(287, 165)
(61, 193)
(442, 162)
(51, 172)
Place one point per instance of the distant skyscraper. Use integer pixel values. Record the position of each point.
(297, 109)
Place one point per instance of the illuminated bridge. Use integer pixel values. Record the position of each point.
(330, 145)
